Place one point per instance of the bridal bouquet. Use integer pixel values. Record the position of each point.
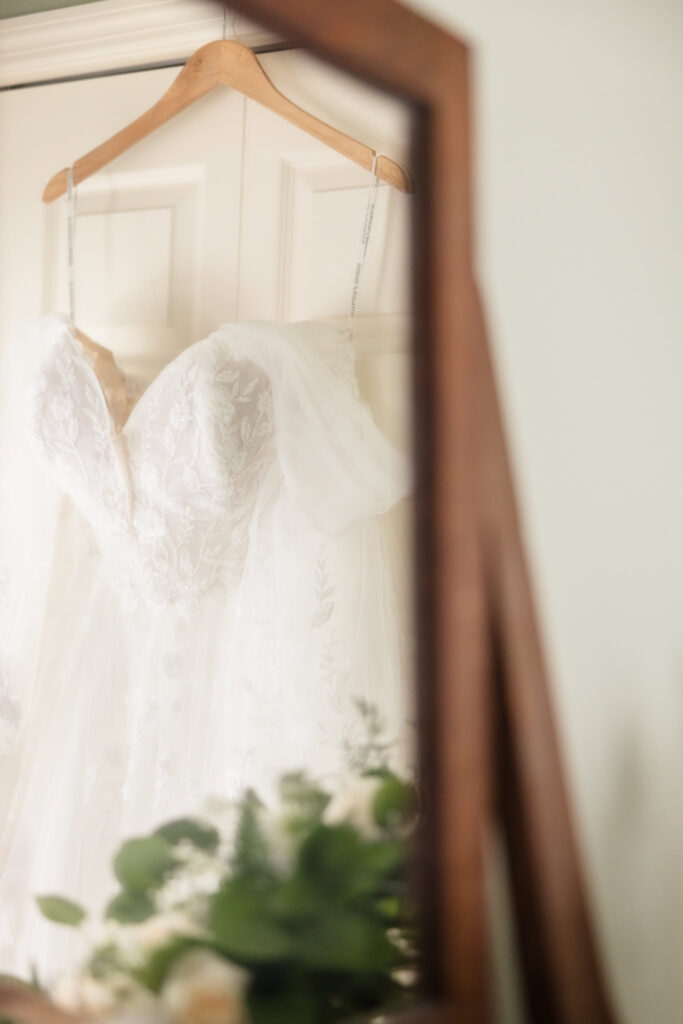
(300, 913)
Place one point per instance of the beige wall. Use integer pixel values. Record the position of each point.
(579, 115)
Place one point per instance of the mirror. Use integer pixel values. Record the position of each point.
(207, 543)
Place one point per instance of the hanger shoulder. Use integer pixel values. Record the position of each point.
(241, 70)
(199, 76)
(225, 62)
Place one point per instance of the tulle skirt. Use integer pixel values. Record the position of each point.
(140, 714)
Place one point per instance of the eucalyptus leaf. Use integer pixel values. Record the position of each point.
(303, 801)
(252, 854)
(129, 907)
(201, 835)
(154, 972)
(106, 960)
(142, 864)
(61, 911)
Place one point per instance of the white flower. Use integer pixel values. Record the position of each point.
(353, 805)
(159, 929)
(135, 942)
(223, 813)
(202, 988)
(192, 884)
(407, 977)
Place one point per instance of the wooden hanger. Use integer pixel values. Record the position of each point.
(225, 62)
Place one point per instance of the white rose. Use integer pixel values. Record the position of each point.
(203, 988)
(353, 805)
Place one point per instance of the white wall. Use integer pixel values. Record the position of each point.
(579, 114)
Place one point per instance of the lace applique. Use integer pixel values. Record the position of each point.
(70, 430)
(171, 495)
(5, 617)
(10, 708)
(10, 716)
(324, 593)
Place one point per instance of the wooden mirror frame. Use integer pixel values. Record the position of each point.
(489, 746)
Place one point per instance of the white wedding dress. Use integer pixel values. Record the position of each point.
(189, 604)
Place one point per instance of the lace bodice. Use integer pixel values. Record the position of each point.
(170, 495)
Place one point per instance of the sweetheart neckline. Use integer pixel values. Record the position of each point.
(79, 349)
(345, 334)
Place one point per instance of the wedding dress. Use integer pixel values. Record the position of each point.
(190, 601)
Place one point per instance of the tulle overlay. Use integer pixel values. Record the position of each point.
(189, 604)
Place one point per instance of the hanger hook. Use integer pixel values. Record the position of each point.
(225, 21)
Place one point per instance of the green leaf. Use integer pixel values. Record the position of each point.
(142, 864)
(330, 855)
(295, 1004)
(153, 974)
(129, 907)
(395, 803)
(298, 897)
(244, 924)
(61, 911)
(346, 940)
(204, 837)
(339, 860)
(380, 861)
(106, 960)
(389, 907)
(252, 852)
(303, 801)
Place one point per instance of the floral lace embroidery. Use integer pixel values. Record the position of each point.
(10, 715)
(70, 430)
(170, 497)
(324, 592)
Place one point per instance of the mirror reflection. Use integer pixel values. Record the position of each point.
(205, 548)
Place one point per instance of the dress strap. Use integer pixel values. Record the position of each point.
(71, 238)
(365, 238)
